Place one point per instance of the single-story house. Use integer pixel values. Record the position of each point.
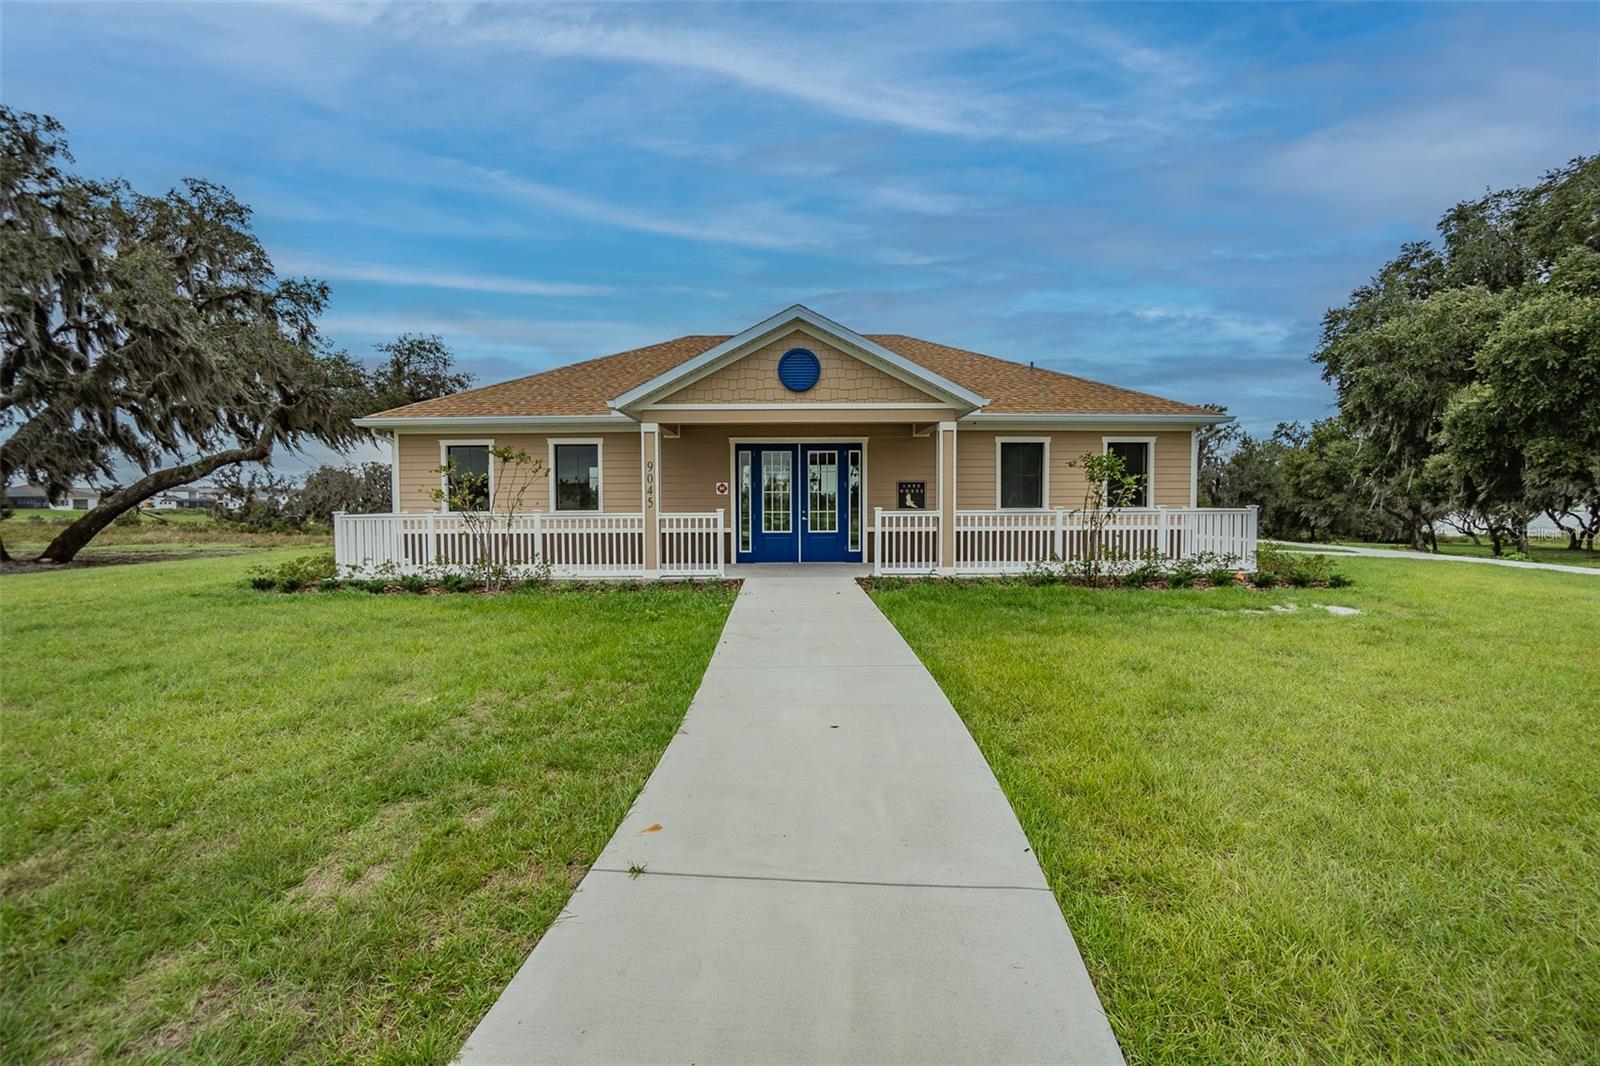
(78, 498)
(193, 497)
(796, 440)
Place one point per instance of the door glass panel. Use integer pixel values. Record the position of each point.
(822, 481)
(746, 498)
(777, 468)
(854, 502)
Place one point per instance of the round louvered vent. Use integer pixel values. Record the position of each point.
(799, 369)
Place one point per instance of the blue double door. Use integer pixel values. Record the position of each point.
(798, 503)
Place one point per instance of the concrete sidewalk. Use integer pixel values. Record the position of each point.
(831, 874)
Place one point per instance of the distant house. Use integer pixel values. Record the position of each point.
(80, 498)
(186, 497)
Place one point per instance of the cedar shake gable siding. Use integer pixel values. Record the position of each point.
(585, 389)
(753, 378)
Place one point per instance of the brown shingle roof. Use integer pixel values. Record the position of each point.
(584, 388)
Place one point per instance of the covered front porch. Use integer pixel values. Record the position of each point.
(898, 497)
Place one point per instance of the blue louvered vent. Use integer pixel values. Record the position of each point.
(799, 369)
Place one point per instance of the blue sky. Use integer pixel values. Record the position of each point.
(1164, 197)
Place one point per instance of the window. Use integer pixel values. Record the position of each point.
(1135, 455)
(577, 476)
(467, 474)
(1022, 473)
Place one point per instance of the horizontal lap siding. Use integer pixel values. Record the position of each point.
(619, 468)
(693, 463)
(977, 468)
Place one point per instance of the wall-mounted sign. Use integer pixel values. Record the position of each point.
(722, 488)
(912, 495)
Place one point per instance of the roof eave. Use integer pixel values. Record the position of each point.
(421, 423)
(1098, 418)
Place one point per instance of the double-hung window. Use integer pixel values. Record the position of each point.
(1135, 456)
(466, 477)
(1022, 475)
(577, 476)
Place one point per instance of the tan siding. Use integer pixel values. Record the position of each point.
(977, 468)
(619, 472)
(754, 379)
(692, 464)
(898, 456)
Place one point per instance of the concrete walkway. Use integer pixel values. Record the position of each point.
(1336, 550)
(831, 874)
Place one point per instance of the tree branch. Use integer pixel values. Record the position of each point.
(65, 547)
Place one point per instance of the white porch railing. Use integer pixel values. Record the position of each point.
(904, 542)
(572, 545)
(692, 544)
(1008, 542)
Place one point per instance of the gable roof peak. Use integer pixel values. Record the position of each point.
(734, 347)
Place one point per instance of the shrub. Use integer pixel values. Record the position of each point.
(1044, 572)
(1339, 581)
(1264, 579)
(1518, 557)
(295, 574)
(130, 517)
(413, 582)
(1147, 571)
(1220, 576)
(1183, 574)
(1298, 569)
(453, 582)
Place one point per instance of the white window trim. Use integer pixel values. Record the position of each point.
(600, 464)
(1150, 474)
(1044, 481)
(444, 478)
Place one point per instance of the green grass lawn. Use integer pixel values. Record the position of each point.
(27, 532)
(1538, 551)
(1301, 837)
(241, 826)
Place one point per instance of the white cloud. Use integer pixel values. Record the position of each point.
(805, 72)
(1222, 325)
(904, 69)
(754, 226)
(1418, 161)
(576, 338)
(387, 275)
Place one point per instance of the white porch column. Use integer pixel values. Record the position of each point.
(394, 472)
(947, 497)
(649, 495)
